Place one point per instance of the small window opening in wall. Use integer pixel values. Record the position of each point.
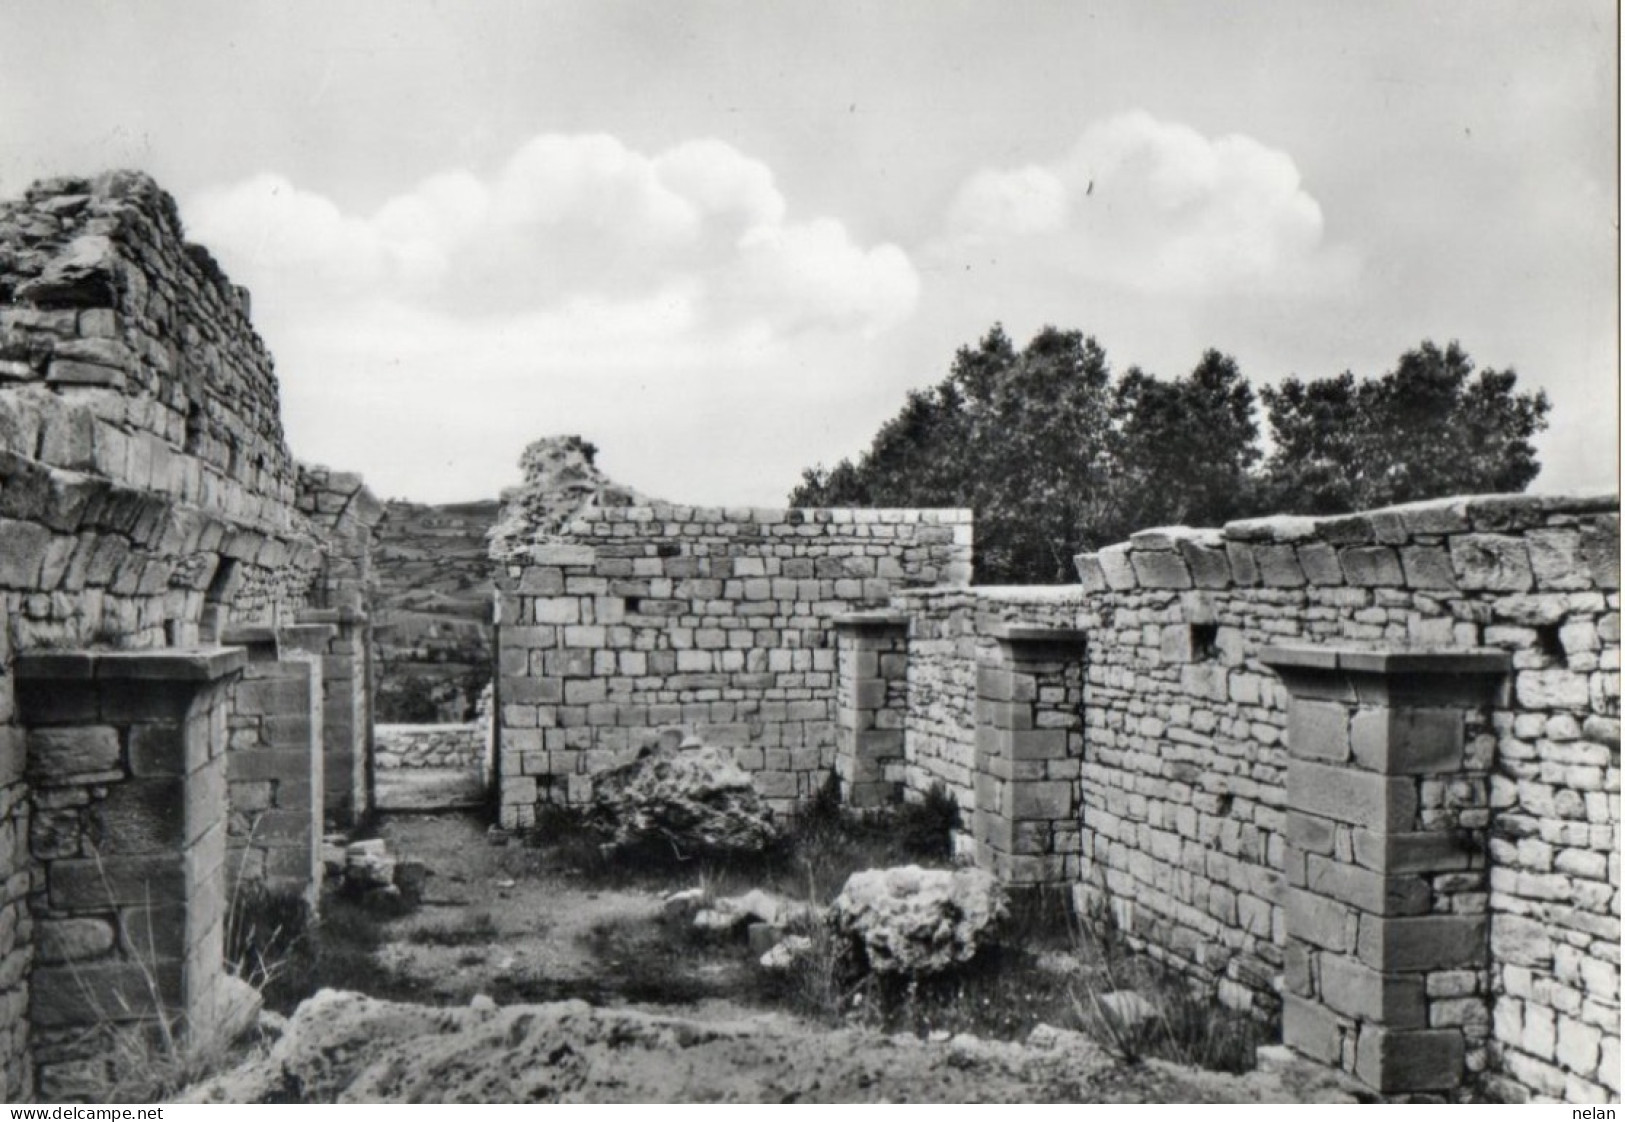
(634, 604)
(1549, 642)
(1204, 642)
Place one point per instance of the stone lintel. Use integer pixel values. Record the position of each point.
(1015, 636)
(183, 664)
(249, 635)
(871, 623)
(1397, 678)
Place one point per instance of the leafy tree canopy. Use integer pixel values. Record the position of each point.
(1427, 428)
(1055, 456)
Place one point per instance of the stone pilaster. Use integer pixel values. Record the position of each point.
(341, 640)
(274, 767)
(1386, 872)
(871, 694)
(1029, 749)
(127, 770)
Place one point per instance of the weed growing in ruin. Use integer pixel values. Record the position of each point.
(1140, 1008)
(143, 1051)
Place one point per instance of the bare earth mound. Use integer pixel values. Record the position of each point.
(347, 1048)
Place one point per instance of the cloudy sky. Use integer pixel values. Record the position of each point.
(722, 240)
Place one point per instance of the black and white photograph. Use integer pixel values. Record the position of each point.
(809, 552)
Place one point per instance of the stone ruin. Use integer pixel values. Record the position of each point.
(183, 671)
(1361, 773)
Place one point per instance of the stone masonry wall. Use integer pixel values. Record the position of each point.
(128, 774)
(950, 635)
(274, 768)
(1186, 815)
(640, 618)
(147, 496)
(431, 746)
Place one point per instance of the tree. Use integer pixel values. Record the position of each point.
(1425, 429)
(1019, 437)
(1055, 458)
(1182, 451)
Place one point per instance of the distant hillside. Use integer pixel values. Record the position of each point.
(433, 620)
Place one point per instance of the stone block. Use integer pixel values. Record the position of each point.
(556, 553)
(1521, 941)
(1374, 566)
(1312, 1029)
(1318, 920)
(23, 547)
(64, 755)
(1090, 574)
(1118, 569)
(91, 884)
(1410, 1060)
(165, 749)
(1556, 559)
(1038, 744)
(1041, 800)
(1278, 566)
(1552, 689)
(1243, 565)
(1414, 852)
(1320, 565)
(150, 934)
(1409, 741)
(1393, 1001)
(1421, 943)
(1599, 546)
(1160, 569)
(1369, 891)
(72, 940)
(1318, 730)
(1491, 563)
(102, 992)
(1209, 564)
(1375, 802)
(274, 695)
(142, 816)
(1427, 568)
(1310, 833)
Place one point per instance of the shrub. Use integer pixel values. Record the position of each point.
(926, 828)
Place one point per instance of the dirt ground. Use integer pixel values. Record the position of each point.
(519, 924)
(518, 980)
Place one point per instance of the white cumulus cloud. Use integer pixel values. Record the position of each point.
(654, 302)
(567, 217)
(1153, 206)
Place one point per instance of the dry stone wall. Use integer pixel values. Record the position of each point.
(1365, 764)
(431, 746)
(148, 500)
(951, 633)
(127, 772)
(1188, 817)
(640, 618)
